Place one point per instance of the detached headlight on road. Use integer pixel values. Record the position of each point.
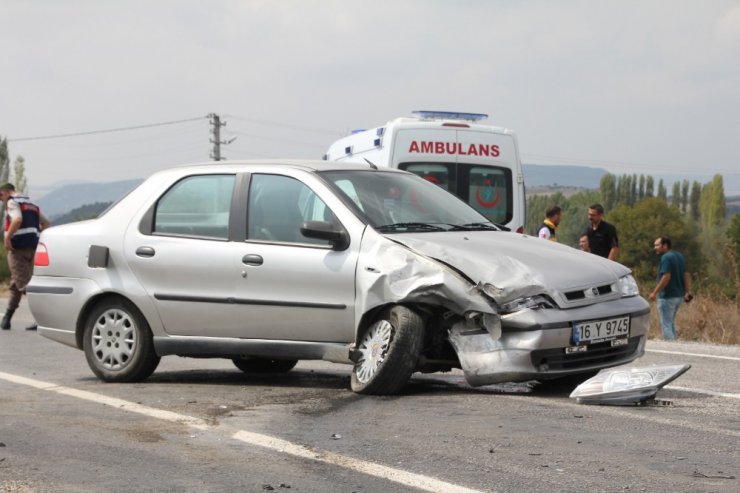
(628, 286)
(627, 386)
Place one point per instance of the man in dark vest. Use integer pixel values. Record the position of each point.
(23, 225)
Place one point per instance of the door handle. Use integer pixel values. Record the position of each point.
(145, 251)
(252, 259)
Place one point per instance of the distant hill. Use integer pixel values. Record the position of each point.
(539, 175)
(87, 211)
(68, 197)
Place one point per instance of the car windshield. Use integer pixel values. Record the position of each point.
(401, 202)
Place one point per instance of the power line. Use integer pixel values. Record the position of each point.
(105, 131)
(286, 125)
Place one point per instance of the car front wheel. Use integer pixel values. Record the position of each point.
(388, 352)
(118, 342)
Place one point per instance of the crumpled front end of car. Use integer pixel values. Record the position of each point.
(521, 325)
(539, 343)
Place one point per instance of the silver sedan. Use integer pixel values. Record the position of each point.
(268, 263)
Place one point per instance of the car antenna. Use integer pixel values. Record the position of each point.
(372, 165)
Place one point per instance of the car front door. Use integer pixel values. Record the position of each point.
(293, 287)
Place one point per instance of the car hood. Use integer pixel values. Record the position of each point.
(516, 265)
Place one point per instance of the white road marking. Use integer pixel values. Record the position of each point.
(699, 355)
(406, 478)
(713, 393)
(373, 469)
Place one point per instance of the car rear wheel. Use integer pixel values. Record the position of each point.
(118, 342)
(264, 365)
(388, 352)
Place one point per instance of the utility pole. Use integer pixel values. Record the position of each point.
(216, 123)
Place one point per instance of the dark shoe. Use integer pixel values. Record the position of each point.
(5, 323)
(32, 327)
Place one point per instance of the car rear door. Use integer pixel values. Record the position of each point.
(181, 254)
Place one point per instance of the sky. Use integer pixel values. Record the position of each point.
(644, 86)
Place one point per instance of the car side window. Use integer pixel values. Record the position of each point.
(196, 206)
(278, 206)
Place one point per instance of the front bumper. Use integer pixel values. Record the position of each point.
(533, 343)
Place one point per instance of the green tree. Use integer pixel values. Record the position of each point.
(607, 186)
(4, 161)
(712, 203)
(638, 226)
(641, 190)
(649, 186)
(19, 175)
(662, 192)
(685, 196)
(676, 195)
(695, 200)
(733, 234)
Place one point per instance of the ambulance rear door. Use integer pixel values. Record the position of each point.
(480, 167)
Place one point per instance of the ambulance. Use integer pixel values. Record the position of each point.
(478, 163)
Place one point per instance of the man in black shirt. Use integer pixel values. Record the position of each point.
(602, 236)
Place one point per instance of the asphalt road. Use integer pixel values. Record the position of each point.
(202, 425)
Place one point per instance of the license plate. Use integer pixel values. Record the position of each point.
(601, 330)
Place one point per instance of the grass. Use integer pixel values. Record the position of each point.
(705, 319)
(15, 487)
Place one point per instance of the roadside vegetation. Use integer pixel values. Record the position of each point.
(698, 221)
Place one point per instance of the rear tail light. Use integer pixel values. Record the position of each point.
(520, 229)
(42, 256)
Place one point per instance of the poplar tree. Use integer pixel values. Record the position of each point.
(662, 192)
(19, 175)
(684, 196)
(4, 161)
(649, 186)
(695, 199)
(676, 195)
(712, 203)
(608, 190)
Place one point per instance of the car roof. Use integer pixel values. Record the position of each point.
(310, 165)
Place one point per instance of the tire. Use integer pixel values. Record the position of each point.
(118, 342)
(388, 352)
(264, 365)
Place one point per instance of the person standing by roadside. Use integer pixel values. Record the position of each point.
(674, 285)
(602, 236)
(23, 224)
(548, 228)
(583, 243)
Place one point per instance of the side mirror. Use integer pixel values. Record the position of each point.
(323, 230)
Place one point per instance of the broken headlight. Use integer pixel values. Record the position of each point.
(628, 286)
(534, 302)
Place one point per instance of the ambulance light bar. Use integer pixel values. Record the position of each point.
(449, 115)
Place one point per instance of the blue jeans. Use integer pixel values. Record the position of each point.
(667, 308)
